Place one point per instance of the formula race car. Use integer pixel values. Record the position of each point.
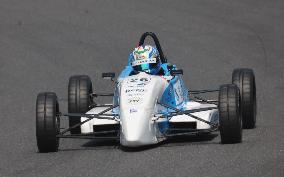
(147, 108)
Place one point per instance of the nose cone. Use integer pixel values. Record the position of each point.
(137, 130)
(138, 96)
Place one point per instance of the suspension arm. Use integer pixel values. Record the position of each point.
(91, 116)
(189, 113)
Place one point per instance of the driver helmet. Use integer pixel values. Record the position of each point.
(146, 59)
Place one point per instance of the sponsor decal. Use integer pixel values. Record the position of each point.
(167, 78)
(178, 92)
(141, 84)
(143, 61)
(135, 90)
(132, 110)
(140, 50)
(134, 100)
(135, 94)
(143, 80)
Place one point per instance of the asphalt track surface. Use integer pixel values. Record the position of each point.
(42, 43)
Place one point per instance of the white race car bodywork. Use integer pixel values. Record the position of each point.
(139, 112)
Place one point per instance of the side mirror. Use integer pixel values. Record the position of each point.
(176, 72)
(108, 76)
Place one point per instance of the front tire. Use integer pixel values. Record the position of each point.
(79, 99)
(245, 80)
(230, 122)
(47, 122)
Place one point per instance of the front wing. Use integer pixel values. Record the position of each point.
(104, 124)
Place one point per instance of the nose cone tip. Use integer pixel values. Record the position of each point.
(131, 140)
(135, 140)
(132, 143)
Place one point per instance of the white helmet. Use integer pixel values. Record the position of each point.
(146, 59)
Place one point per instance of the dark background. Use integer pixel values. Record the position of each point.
(43, 42)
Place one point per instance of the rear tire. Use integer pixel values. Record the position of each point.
(245, 80)
(47, 122)
(79, 99)
(230, 121)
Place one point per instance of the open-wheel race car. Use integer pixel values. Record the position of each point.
(147, 107)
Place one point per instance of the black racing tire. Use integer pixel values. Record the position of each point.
(244, 78)
(47, 122)
(80, 100)
(230, 122)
